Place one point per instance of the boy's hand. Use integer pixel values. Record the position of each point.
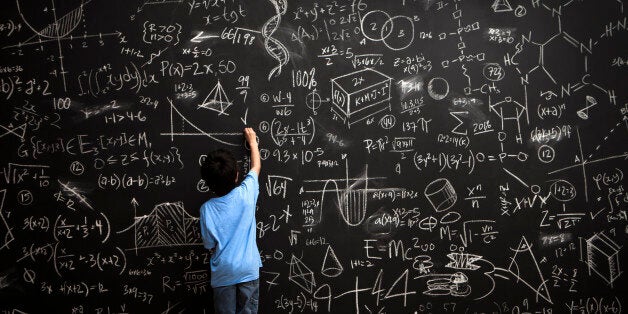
(256, 163)
(249, 134)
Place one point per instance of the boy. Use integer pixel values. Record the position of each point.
(228, 226)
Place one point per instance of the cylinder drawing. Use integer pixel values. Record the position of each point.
(441, 194)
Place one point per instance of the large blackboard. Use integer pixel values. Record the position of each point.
(418, 156)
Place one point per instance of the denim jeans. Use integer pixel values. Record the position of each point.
(238, 298)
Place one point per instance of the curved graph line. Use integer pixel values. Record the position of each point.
(167, 225)
(351, 202)
(325, 191)
(60, 27)
(273, 46)
(201, 131)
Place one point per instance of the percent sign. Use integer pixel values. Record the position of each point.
(305, 79)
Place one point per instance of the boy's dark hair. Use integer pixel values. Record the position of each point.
(219, 170)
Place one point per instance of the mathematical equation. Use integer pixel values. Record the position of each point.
(454, 156)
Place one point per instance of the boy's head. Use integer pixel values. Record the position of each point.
(220, 171)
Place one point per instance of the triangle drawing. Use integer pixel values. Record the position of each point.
(501, 6)
(4, 226)
(216, 100)
(11, 130)
(524, 267)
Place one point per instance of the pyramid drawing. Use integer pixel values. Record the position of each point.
(301, 275)
(168, 224)
(501, 6)
(524, 267)
(216, 100)
(331, 265)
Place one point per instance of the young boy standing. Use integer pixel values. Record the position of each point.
(228, 226)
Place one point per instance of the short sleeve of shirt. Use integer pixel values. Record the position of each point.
(251, 185)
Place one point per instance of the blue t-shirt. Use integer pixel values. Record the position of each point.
(228, 225)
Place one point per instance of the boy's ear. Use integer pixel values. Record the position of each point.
(237, 176)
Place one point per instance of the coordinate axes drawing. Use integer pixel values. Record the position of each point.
(60, 28)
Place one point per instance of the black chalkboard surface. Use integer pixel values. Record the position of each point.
(418, 156)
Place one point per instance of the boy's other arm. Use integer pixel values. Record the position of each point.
(256, 163)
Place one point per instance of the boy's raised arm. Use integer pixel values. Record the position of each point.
(256, 163)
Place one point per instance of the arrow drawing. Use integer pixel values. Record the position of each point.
(200, 38)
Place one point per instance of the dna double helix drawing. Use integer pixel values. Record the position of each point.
(273, 46)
